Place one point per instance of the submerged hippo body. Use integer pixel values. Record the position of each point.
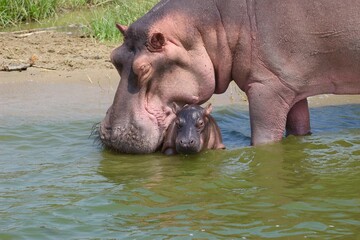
(278, 52)
(192, 131)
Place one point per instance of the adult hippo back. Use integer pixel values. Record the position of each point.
(278, 52)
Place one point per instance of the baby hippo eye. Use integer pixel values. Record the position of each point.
(178, 123)
(200, 123)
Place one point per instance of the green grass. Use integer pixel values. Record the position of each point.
(14, 12)
(102, 26)
(104, 13)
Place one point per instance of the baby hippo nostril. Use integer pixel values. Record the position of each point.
(187, 143)
(183, 143)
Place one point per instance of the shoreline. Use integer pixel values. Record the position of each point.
(106, 80)
(234, 95)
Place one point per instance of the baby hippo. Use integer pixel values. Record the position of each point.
(193, 130)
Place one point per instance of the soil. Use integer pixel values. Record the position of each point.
(54, 50)
(62, 56)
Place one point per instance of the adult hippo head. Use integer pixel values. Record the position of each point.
(278, 52)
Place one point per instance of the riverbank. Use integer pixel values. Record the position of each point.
(52, 50)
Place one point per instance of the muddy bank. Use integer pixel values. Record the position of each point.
(53, 50)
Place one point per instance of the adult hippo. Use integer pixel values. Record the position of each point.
(278, 52)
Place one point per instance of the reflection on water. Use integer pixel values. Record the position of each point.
(55, 183)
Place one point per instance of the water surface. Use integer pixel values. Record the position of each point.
(56, 183)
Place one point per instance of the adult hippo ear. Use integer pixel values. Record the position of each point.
(156, 42)
(122, 28)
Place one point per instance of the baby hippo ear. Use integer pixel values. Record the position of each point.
(122, 28)
(175, 108)
(208, 109)
(157, 41)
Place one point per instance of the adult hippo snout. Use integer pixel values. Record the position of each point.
(130, 132)
(129, 138)
(128, 127)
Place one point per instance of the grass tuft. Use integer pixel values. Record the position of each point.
(105, 13)
(102, 26)
(14, 12)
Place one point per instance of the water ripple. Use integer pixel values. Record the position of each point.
(302, 187)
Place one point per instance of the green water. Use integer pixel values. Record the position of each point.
(57, 184)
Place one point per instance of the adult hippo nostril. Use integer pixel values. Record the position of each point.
(115, 133)
(103, 132)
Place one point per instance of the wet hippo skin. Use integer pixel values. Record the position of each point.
(278, 52)
(192, 131)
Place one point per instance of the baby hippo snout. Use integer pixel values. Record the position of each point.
(188, 145)
(184, 143)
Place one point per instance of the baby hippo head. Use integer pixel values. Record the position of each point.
(193, 130)
(190, 124)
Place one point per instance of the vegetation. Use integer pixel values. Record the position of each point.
(125, 12)
(14, 12)
(104, 13)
